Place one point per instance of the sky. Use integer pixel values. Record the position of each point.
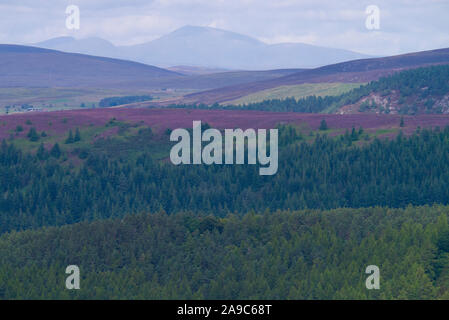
(404, 25)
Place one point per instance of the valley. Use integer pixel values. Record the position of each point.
(106, 164)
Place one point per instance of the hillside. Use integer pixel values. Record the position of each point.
(296, 91)
(224, 159)
(347, 72)
(56, 161)
(56, 124)
(24, 66)
(228, 78)
(306, 254)
(418, 91)
(189, 70)
(94, 188)
(45, 79)
(423, 90)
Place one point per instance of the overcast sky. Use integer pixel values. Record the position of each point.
(405, 25)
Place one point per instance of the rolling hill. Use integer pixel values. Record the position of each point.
(106, 202)
(221, 79)
(296, 91)
(189, 70)
(416, 91)
(54, 80)
(363, 70)
(423, 90)
(24, 66)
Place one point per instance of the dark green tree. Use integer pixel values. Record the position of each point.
(41, 153)
(69, 138)
(77, 135)
(33, 135)
(323, 125)
(55, 151)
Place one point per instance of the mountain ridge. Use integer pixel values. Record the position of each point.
(209, 47)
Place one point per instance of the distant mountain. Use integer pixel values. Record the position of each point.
(25, 66)
(209, 47)
(92, 46)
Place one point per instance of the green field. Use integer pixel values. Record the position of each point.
(52, 99)
(297, 91)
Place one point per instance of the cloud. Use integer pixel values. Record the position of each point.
(406, 25)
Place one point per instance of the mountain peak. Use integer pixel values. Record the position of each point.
(203, 46)
(92, 45)
(56, 41)
(190, 31)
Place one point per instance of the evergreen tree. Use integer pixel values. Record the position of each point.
(77, 135)
(33, 135)
(41, 153)
(69, 138)
(55, 151)
(323, 125)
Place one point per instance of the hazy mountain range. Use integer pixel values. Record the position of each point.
(26, 66)
(208, 47)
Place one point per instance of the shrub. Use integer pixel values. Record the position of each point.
(33, 135)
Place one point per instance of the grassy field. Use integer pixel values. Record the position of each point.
(123, 132)
(52, 99)
(118, 139)
(115, 139)
(297, 91)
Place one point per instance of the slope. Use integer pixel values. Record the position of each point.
(417, 91)
(24, 66)
(353, 71)
(284, 255)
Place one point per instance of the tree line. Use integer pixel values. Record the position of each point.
(307, 254)
(426, 85)
(40, 190)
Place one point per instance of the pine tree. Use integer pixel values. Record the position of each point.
(77, 135)
(55, 151)
(323, 125)
(354, 135)
(69, 138)
(41, 152)
(32, 135)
